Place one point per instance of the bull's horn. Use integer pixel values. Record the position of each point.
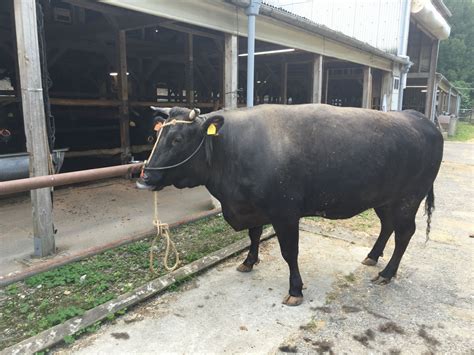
(194, 113)
(162, 110)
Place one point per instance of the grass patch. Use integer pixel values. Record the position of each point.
(366, 222)
(50, 298)
(464, 132)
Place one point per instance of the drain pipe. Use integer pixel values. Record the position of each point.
(402, 48)
(251, 11)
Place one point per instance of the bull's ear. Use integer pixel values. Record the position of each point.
(212, 125)
(162, 111)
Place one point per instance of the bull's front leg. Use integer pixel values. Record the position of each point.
(252, 256)
(288, 238)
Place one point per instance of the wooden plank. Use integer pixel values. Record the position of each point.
(35, 124)
(170, 104)
(122, 79)
(56, 334)
(317, 76)
(284, 83)
(367, 88)
(189, 69)
(430, 102)
(230, 71)
(107, 152)
(84, 102)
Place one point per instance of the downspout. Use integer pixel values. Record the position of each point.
(449, 101)
(402, 48)
(251, 11)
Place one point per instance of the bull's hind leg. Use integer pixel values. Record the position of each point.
(252, 256)
(288, 238)
(386, 221)
(404, 225)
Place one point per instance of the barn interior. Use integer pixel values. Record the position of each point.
(84, 45)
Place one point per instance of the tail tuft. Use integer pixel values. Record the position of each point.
(429, 208)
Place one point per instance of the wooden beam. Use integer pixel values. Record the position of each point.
(122, 79)
(189, 68)
(181, 28)
(230, 71)
(367, 88)
(284, 83)
(430, 102)
(386, 89)
(317, 76)
(35, 122)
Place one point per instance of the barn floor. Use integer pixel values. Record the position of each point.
(89, 216)
(426, 309)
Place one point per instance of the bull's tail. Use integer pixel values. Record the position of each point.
(429, 208)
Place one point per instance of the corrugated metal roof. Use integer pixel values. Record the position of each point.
(375, 22)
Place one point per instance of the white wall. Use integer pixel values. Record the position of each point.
(376, 22)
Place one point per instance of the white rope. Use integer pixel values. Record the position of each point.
(162, 231)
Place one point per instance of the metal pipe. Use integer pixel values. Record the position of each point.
(251, 11)
(402, 49)
(14, 186)
(61, 260)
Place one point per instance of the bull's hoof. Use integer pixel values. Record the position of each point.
(292, 300)
(369, 262)
(380, 280)
(244, 268)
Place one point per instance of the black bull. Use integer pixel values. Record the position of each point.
(275, 164)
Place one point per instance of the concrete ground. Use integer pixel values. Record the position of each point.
(426, 309)
(89, 216)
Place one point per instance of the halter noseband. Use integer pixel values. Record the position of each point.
(172, 123)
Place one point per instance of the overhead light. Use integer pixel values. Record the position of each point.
(156, 31)
(270, 52)
(258, 81)
(423, 90)
(115, 73)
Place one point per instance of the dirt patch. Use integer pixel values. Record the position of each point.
(122, 335)
(391, 327)
(364, 338)
(288, 349)
(350, 309)
(322, 309)
(321, 346)
(429, 339)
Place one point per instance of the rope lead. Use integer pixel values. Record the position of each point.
(162, 231)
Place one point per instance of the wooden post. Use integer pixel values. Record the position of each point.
(367, 88)
(189, 69)
(326, 90)
(430, 102)
(284, 83)
(230, 71)
(34, 121)
(317, 76)
(124, 118)
(386, 89)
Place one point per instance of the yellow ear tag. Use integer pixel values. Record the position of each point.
(212, 130)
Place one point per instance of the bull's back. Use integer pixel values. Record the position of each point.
(334, 156)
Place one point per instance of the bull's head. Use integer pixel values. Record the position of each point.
(179, 156)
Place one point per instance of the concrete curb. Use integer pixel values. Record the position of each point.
(5, 280)
(57, 333)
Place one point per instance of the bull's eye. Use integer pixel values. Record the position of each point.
(176, 140)
(150, 139)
